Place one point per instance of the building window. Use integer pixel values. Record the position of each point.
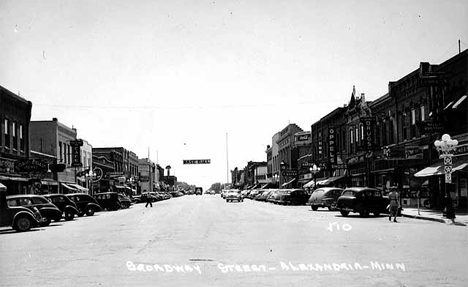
(21, 135)
(362, 131)
(60, 151)
(13, 133)
(423, 116)
(69, 154)
(7, 134)
(357, 134)
(390, 132)
(413, 116)
(351, 135)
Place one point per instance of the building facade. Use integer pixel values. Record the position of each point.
(15, 116)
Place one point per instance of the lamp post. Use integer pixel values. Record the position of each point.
(446, 147)
(282, 168)
(314, 170)
(89, 178)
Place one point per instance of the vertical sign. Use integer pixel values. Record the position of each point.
(331, 145)
(76, 152)
(368, 142)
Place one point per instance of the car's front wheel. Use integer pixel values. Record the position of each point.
(46, 221)
(69, 215)
(364, 213)
(23, 223)
(89, 211)
(332, 207)
(314, 208)
(344, 213)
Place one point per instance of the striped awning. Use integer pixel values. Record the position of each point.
(438, 169)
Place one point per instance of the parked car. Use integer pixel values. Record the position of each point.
(125, 202)
(265, 194)
(234, 195)
(18, 217)
(325, 197)
(254, 193)
(274, 196)
(293, 197)
(108, 200)
(47, 209)
(64, 204)
(363, 200)
(86, 204)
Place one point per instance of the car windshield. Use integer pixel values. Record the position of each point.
(348, 193)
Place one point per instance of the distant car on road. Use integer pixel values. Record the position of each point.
(125, 202)
(293, 197)
(18, 217)
(64, 204)
(86, 204)
(325, 197)
(47, 209)
(363, 200)
(198, 190)
(234, 195)
(108, 200)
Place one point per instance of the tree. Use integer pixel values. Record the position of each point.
(216, 187)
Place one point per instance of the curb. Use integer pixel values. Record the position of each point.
(441, 220)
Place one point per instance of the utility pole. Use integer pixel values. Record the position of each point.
(227, 160)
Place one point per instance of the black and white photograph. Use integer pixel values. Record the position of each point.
(234, 143)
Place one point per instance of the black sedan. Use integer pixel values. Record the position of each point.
(293, 197)
(47, 209)
(86, 204)
(68, 207)
(363, 200)
(325, 197)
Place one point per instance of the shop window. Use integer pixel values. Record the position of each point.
(61, 151)
(423, 116)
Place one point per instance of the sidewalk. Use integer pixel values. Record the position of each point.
(461, 218)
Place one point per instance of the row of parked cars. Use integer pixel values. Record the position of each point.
(362, 200)
(22, 212)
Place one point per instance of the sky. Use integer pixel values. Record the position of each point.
(215, 79)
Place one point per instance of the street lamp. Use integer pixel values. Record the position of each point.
(446, 147)
(314, 170)
(89, 179)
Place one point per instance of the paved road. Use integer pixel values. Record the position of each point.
(204, 241)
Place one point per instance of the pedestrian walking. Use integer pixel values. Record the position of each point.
(149, 199)
(394, 204)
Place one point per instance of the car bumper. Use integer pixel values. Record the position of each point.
(345, 209)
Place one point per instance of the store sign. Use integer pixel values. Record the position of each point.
(432, 127)
(7, 165)
(196, 161)
(339, 166)
(303, 137)
(368, 143)
(461, 149)
(413, 152)
(144, 178)
(432, 81)
(289, 172)
(331, 146)
(31, 165)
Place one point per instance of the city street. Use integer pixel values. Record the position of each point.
(204, 241)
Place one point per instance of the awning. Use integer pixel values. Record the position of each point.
(78, 187)
(119, 187)
(69, 187)
(287, 183)
(329, 180)
(310, 184)
(438, 169)
(49, 182)
(12, 178)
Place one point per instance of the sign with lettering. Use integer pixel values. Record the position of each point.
(432, 81)
(331, 145)
(289, 172)
(432, 127)
(303, 137)
(31, 165)
(368, 143)
(196, 161)
(413, 152)
(76, 143)
(76, 156)
(339, 166)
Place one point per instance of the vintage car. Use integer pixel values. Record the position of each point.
(18, 217)
(325, 197)
(293, 197)
(86, 204)
(47, 209)
(363, 200)
(108, 200)
(64, 204)
(125, 202)
(234, 195)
